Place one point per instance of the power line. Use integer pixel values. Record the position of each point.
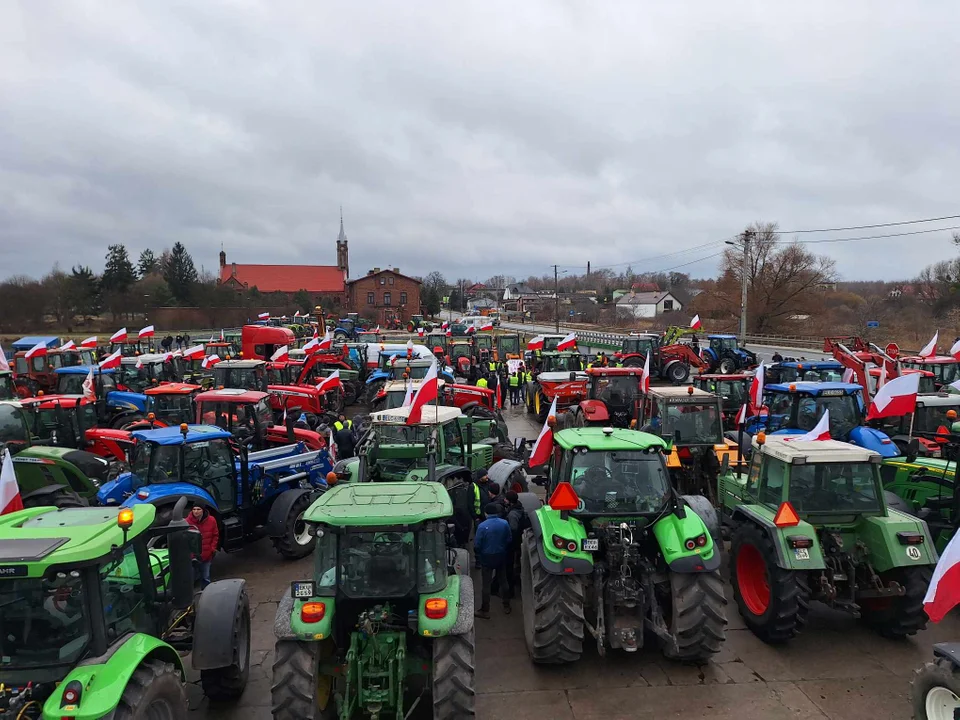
(654, 257)
(868, 227)
(869, 237)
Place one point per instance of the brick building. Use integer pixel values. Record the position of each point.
(384, 295)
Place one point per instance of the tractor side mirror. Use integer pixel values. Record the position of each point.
(913, 450)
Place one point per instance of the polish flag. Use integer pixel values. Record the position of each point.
(263, 316)
(89, 343)
(930, 349)
(111, 361)
(756, 388)
(68, 345)
(943, 594)
(331, 446)
(897, 397)
(409, 348)
(312, 346)
(10, 500)
(327, 341)
(281, 354)
(471, 330)
(427, 393)
(543, 447)
(209, 361)
(119, 336)
(38, 350)
(848, 375)
(139, 363)
(568, 343)
(89, 391)
(146, 332)
(408, 397)
(535, 343)
(444, 325)
(449, 333)
(955, 350)
(296, 314)
(695, 323)
(194, 353)
(820, 432)
(420, 331)
(487, 325)
(741, 416)
(645, 375)
(331, 382)
(4, 363)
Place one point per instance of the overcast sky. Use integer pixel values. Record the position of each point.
(473, 138)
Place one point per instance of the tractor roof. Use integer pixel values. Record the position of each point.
(380, 504)
(600, 439)
(25, 343)
(938, 400)
(83, 370)
(397, 385)
(46, 402)
(814, 451)
(144, 358)
(171, 389)
(606, 371)
(811, 364)
(241, 364)
(429, 415)
(719, 377)
(726, 336)
(815, 388)
(173, 436)
(935, 360)
(681, 392)
(232, 395)
(44, 536)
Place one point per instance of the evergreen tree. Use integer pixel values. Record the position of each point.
(148, 263)
(180, 273)
(85, 289)
(118, 273)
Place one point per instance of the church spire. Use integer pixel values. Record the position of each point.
(343, 255)
(342, 237)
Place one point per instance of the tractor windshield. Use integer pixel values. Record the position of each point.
(637, 345)
(171, 408)
(241, 378)
(12, 428)
(509, 344)
(943, 373)
(47, 420)
(616, 391)
(458, 351)
(561, 363)
(732, 392)
(73, 384)
(233, 416)
(723, 344)
(930, 418)
(43, 622)
(404, 434)
(550, 344)
(834, 488)
(802, 412)
(208, 464)
(415, 372)
(696, 423)
(6, 386)
(619, 481)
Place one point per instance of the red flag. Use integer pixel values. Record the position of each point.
(568, 343)
(420, 331)
(312, 346)
(327, 341)
(821, 430)
(281, 354)
(695, 323)
(897, 397)
(119, 336)
(146, 332)
(930, 349)
(645, 375)
(741, 416)
(264, 316)
(756, 388)
(68, 345)
(955, 350)
(331, 446)
(38, 350)
(487, 325)
(471, 330)
(111, 361)
(543, 447)
(943, 593)
(426, 393)
(89, 391)
(408, 396)
(194, 353)
(89, 343)
(444, 325)
(331, 382)
(209, 361)
(10, 500)
(535, 343)
(449, 333)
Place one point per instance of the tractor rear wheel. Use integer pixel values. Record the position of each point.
(728, 366)
(677, 372)
(296, 542)
(697, 615)
(453, 676)
(540, 406)
(298, 691)
(898, 617)
(552, 609)
(228, 683)
(772, 601)
(529, 400)
(633, 362)
(62, 499)
(935, 691)
(155, 691)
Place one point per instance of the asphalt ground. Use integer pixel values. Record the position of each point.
(836, 669)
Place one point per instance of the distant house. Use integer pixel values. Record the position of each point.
(648, 304)
(515, 291)
(645, 287)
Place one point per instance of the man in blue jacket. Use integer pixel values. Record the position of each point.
(491, 545)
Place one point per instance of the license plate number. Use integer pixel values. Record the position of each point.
(590, 544)
(802, 554)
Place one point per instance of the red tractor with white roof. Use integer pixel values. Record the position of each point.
(249, 416)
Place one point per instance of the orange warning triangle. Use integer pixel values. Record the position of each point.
(786, 516)
(564, 497)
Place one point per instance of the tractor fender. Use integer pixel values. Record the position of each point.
(453, 470)
(124, 400)
(875, 440)
(277, 519)
(213, 645)
(165, 494)
(567, 565)
(785, 559)
(113, 491)
(595, 410)
(45, 490)
(104, 678)
(949, 651)
(281, 621)
(705, 510)
(886, 551)
(464, 622)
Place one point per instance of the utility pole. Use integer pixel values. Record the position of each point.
(556, 297)
(747, 237)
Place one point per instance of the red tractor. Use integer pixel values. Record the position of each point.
(261, 341)
(558, 376)
(39, 372)
(670, 362)
(249, 416)
(71, 421)
(168, 404)
(866, 360)
(612, 399)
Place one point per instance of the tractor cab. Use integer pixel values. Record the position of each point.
(733, 391)
(8, 390)
(248, 416)
(928, 381)
(483, 345)
(136, 374)
(132, 348)
(222, 349)
(507, 347)
(412, 369)
(790, 371)
(945, 369)
(116, 407)
(39, 372)
(172, 403)
(460, 353)
(613, 398)
(557, 362)
(636, 347)
(930, 423)
(241, 374)
(723, 354)
(284, 373)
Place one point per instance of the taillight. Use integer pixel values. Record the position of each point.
(435, 608)
(559, 543)
(910, 538)
(72, 692)
(799, 541)
(695, 542)
(313, 612)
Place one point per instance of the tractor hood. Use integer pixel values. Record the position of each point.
(560, 376)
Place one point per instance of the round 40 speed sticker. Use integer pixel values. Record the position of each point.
(913, 552)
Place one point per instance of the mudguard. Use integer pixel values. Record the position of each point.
(702, 507)
(871, 439)
(595, 410)
(949, 651)
(169, 493)
(123, 400)
(105, 678)
(545, 523)
(672, 532)
(886, 552)
(377, 376)
(114, 491)
(213, 627)
(429, 627)
(787, 558)
(277, 518)
(45, 490)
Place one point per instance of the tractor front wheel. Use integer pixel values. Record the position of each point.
(552, 609)
(935, 691)
(228, 683)
(296, 542)
(697, 615)
(678, 372)
(453, 676)
(540, 406)
(296, 693)
(898, 617)
(772, 601)
(728, 366)
(154, 692)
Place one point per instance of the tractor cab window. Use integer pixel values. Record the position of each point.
(209, 465)
(262, 412)
(459, 351)
(38, 363)
(945, 373)
(772, 480)
(6, 387)
(55, 360)
(275, 376)
(723, 344)
(23, 368)
(70, 358)
(927, 384)
(12, 426)
(844, 413)
(696, 424)
(619, 481)
(616, 390)
(509, 344)
(929, 418)
(377, 564)
(135, 379)
(451, 442)
(834, 488)
(44, 622)
(171, 408)
(73, 384)
(733, 392)
(124, 596)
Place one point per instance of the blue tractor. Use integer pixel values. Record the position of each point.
(393, 365)
(789, 371)
(795, 408)
(250, 494)
(346, 329)
(724, 355)
(115, 407)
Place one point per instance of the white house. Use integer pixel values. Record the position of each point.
(647, 304)
(514, 291)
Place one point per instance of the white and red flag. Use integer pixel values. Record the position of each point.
(209, 361)
(90, 343)
(327, 342)
(4, 363)
(139, 363)
(408, 397)
(568, 343)
(535, 343)
(695, 323)
(331, 382)
(897, 397)
(194, 353)
(943, 593)
(543, 447)
(427, 393)
(146, 332)
(312, 346)
(281, 354)
(930, 349)
(38, 350)
(821, 430)
(119, 336)
(444, 325)
(487, 325)
(10, 500)
(89, 390)
(756, 388)
(331, 446)
(741, 416)
(420, 331)
(264, 316)
(847, 375)
(645, 375)
(68, 345)
(955, 350)
(111, 361)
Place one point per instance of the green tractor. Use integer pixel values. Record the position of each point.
(416, 322)
(387, 617)
(809, 521)
(94, 618)
(618, 552)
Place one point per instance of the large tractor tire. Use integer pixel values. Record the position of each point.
(697, 615)
(296, 542)
(540, 406)
(552, 609)
(453, 676)
(296, 694)
(728, 366)
(772, 601)
(155, 690)
(228, 683)
(632, 362)
(935, 691)
(677, 372)
(898, 617)
(62, 499)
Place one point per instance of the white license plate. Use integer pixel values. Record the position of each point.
(802, 554)
(590, 544)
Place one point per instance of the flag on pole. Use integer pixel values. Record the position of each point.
(4, 364)
(89, 343)
(110, 361)
(943, 593)
(331, 446)
(486, 325)
(119, 336)
(741, 416)
(695, 323)
(821, 430)
(955, 350)
(408, 397)
(535, 343)
(139, 363)
(543, 447)
(327, 341)
(756, 388)
(296, 314)
(645, 375)
(568, 343)
(209, 361)
(930, 349)
(89, 390)
(38, 350)
(897, 397)
(146, 332)
(10, 500)
(420, 331)
(194, 353)
(444, 325)
(68, 345)
(312, 346)
(331, 382)
(427, 392)
(264, 316)
(281, 354)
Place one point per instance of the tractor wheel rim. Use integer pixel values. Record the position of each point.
(159, 709)
(300, 533)
(940, 703)
(752, 579)
(536, 402)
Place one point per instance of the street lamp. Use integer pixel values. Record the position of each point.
(556, 296)
(745, 239)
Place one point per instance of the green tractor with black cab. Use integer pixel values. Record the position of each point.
(618, 554)
(94, 617)
(809, 520)
(385, 623)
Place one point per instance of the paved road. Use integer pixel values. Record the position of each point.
(837, 669)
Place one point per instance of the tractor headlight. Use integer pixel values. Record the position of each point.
(696, 542)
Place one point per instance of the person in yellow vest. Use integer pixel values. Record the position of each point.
(514, 389)
(482, 382)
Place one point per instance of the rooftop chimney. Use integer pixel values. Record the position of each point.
(233, 270)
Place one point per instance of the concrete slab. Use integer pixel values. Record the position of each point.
(860, 699)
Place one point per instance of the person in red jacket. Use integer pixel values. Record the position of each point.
(210, 538)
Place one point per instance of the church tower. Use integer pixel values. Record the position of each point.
(343, 257)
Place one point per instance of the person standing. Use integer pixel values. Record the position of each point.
(518, 521)
(481, 382)
(209, 540)
(491, 546)
(514, 388)
(343, 436)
